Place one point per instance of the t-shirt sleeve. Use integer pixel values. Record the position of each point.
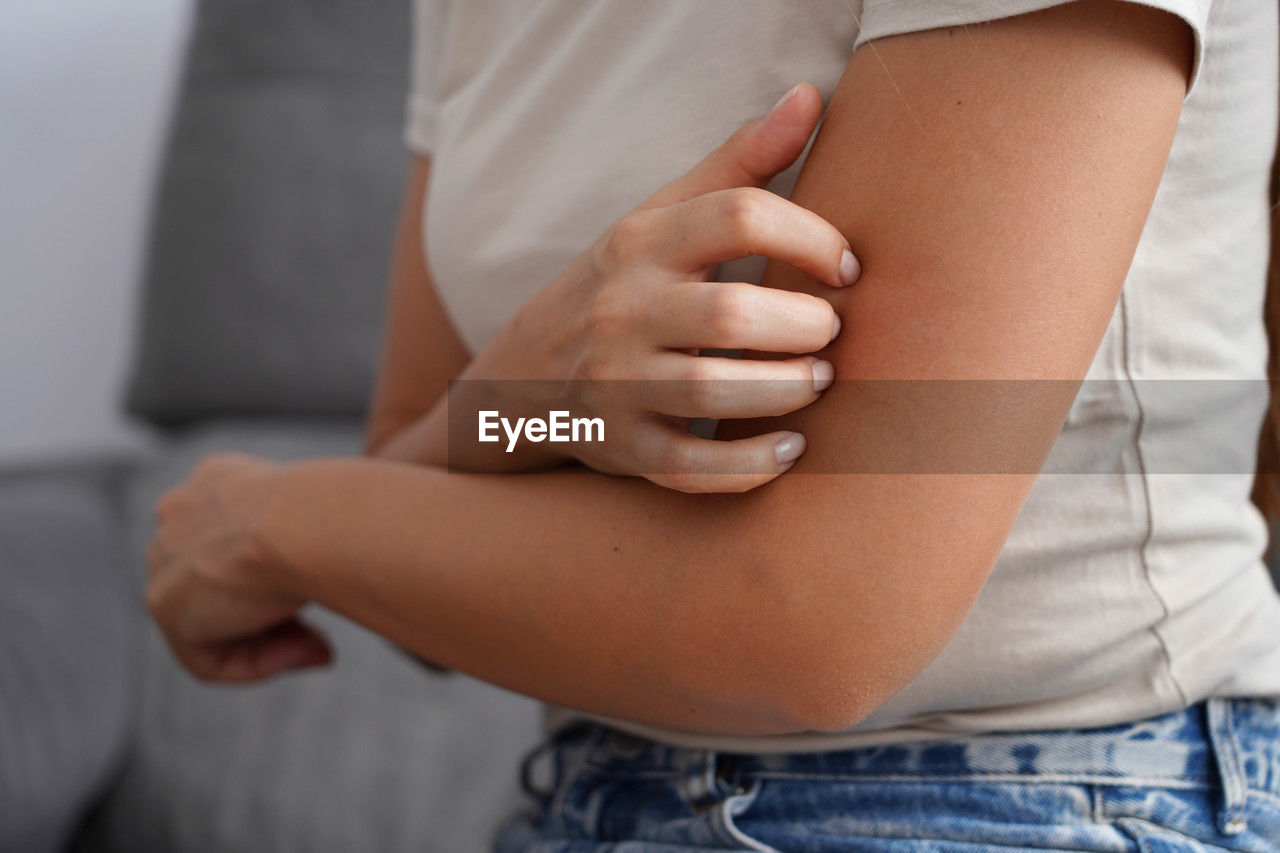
(892, 17)
(422, 103)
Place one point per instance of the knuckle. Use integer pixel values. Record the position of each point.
(703, 390)
(700, 371)
(607, 316)
(624, 241)
(678, 461)
(595, 371)
(586, 373)
(744, 209)
(586, 370)
(726, 314)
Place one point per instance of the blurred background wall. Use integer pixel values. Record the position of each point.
(197, 204)
(86, 87)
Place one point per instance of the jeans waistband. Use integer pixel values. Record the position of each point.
(1228, 744)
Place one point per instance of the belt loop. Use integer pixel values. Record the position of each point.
(698, 782)
(541, 793)
(550, 746)
(1226, 752)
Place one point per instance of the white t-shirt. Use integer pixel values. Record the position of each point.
(1123, 593)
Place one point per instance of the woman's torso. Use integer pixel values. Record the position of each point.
(1132, 583)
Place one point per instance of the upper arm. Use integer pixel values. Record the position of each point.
(421, 349)
(994, 181)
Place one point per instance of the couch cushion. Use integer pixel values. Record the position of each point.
(276, 210)
(373, 754)
(69, 657)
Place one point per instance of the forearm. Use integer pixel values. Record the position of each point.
(607, 595)
(731, 614)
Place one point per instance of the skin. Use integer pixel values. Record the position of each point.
(421, 349)
(994, 182)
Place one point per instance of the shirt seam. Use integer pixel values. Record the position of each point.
(1144, 479)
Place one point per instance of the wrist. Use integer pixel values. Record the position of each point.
(537, 342)
(277, 552)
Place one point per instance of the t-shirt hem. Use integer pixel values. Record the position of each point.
(419, 133)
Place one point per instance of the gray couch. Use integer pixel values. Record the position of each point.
(259, 328)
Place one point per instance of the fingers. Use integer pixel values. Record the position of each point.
(676, 460)
(736, 315)
(730, 224)
(754, 154)
(288, 646)
(706, 387)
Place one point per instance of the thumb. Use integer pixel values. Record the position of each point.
(754, 154)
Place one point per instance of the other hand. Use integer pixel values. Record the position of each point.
(210, 589)
(626, 321)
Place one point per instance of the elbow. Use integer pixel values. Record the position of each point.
(792, 678)
(802, 654)
(826, 697)
(838, 648)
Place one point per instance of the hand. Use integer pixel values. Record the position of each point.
(639, 305)
(210, 587)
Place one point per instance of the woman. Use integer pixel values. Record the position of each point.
(738, 655)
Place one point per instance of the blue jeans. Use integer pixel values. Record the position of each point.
(1204, 778)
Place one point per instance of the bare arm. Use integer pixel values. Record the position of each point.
(421, 349)
(998, 180)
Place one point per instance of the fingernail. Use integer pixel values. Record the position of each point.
(836, 329)
(850, 269)
(824, 373)
(791, 94)
(789, 448)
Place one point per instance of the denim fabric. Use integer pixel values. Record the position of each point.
(1203, 778)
